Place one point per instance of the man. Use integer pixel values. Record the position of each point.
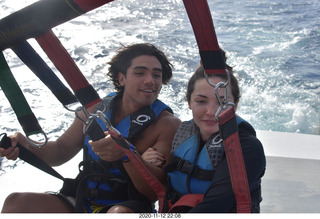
(109, 182)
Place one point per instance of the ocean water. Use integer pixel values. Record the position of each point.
(273, 45)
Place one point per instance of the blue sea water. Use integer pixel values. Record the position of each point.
(273, 45)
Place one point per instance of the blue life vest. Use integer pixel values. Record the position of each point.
(190, 170)
(129, 127)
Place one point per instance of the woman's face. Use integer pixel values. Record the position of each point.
(204, 105)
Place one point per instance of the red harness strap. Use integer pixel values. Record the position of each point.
(187, 200)
(152, 181)
(88, 5)
(214, 63)
(203, 28)
(85, 93)
(229, 134)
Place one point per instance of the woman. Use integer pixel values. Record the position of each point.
(198, 162)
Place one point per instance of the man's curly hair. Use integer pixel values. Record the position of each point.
(122, 61)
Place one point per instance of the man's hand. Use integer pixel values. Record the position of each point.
(12, 152)
(106, 149)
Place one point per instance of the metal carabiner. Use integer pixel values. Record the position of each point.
(112, 130)
(68, 107)
(34, 143)
(221, 85)
(105, 105)
(115, 134)
(85, 112)
(224, 107)
(89, 116)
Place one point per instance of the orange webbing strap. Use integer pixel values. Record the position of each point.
(229, 134)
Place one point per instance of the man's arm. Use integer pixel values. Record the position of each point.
(165, 130)
(54, 153)
(158, 135)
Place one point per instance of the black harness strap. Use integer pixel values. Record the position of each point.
(41, 16)
(30, 157)
(31, 58)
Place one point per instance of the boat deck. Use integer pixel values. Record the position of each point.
(291, 186)
(291, 183)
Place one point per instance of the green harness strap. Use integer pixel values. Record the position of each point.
(11, 89)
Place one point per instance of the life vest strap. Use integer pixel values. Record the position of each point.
(184, 166)
(115, 185)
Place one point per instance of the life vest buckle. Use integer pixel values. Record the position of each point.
(185, 166)
(93, 193)
(180, 164)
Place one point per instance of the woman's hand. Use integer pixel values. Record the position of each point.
(153, 157)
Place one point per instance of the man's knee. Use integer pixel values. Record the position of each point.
(34, 203)
(119, 209)
(13, 203)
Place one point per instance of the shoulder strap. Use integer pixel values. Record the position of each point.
(136, 122)
(247, 126)
(184, 166)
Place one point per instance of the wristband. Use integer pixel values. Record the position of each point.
(125, 158)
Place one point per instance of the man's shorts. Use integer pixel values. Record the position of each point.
(135, 205)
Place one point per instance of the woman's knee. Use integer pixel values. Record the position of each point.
(119, 209)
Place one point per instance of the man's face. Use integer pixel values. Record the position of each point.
(143, 81)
